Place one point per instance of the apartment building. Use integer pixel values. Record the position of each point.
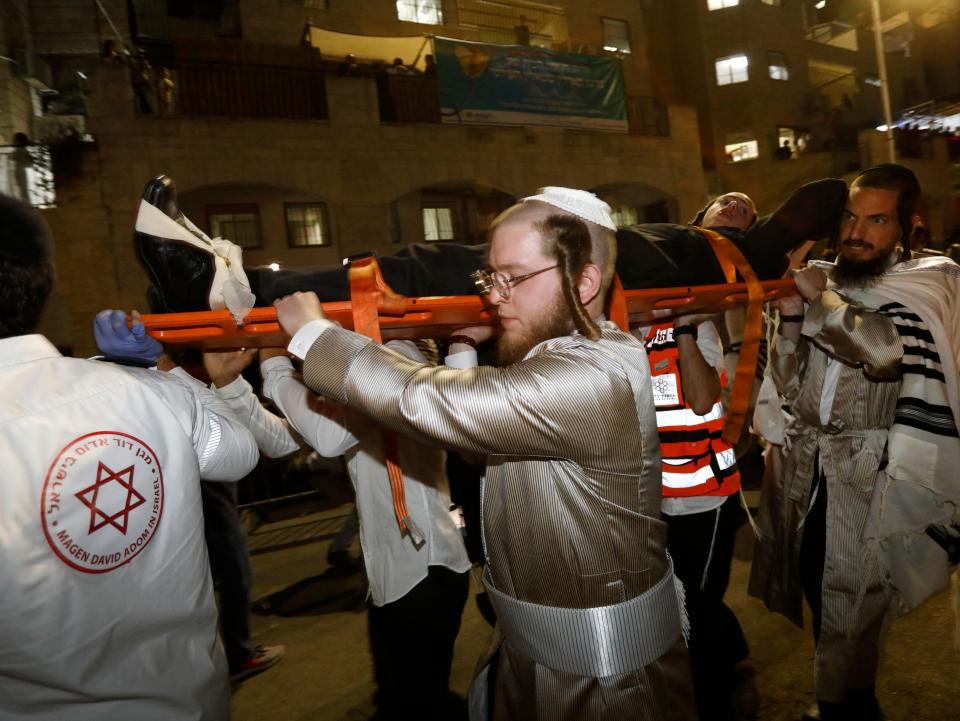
(784, 89)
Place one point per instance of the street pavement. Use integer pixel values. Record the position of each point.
(327, 675)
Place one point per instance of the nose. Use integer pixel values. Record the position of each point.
(858, 229)
(495, 297)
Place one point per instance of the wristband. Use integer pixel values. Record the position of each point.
(465, 339)
(791, 318)
(685, 330)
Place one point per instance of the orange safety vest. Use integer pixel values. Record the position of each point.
(696, 459)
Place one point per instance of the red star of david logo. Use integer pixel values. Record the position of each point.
(89, 495)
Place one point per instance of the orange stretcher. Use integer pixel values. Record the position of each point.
(377, 312)
(437, 317)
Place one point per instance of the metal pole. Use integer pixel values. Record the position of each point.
(884, 80)
(112, 26)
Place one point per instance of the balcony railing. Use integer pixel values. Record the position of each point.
(514, 22)
(254, 80)
(252, 91)
(835, 34)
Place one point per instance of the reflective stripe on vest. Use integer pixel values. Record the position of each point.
(696, 459)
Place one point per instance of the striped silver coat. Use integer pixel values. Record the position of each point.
(571, 499)
(851, 449)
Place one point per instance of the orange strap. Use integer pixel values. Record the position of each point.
(369, 297)
(732, 260)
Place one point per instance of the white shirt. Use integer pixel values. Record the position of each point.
(273, 435)
(394, 564)
(106, 604)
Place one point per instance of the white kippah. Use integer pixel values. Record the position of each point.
(580, 203)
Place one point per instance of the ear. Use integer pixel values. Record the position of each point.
(589, 283)
(915, 222)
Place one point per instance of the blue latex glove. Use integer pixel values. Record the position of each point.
(116, 340)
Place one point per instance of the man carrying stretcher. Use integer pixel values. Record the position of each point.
(190, 272)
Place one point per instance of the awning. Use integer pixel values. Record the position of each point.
(335, 46)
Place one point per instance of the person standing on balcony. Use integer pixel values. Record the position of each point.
(141, 78)
(165, 91)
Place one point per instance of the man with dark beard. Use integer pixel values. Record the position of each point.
(576, 564)
(869, 370)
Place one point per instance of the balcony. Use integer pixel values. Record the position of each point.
(26, 173)
(834, 34)
(250, 80)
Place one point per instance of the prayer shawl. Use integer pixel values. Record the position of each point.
(921, 485)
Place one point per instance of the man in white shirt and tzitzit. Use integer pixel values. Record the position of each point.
(106, 607)
(418, 587)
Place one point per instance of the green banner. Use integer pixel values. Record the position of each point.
(487, 84)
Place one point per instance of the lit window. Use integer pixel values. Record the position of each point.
(306, 224)
(721, 4)
(239, 223)
(741, 149)
(438, 223)
(616, 36)
(625, 215)
(777, 66)
(428, 12)
(772, 2)
(732, 70)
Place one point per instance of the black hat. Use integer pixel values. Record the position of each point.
(24, 236)
(893, 172)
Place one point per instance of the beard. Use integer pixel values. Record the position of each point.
(553, 323)
(861, 273)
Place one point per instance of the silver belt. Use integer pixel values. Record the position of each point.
(598, 642)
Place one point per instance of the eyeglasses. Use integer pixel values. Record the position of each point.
(486, 280)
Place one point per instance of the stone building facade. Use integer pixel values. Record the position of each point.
(372, 179)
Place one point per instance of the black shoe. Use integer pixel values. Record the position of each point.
(343, 561)
(181, 273)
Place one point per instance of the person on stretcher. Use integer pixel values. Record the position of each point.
(189, 271)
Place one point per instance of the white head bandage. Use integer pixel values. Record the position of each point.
(580, 203)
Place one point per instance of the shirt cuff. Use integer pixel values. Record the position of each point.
(272, 370)
(463, 359)
(234, 389)
(279, 363)
(307, 336)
